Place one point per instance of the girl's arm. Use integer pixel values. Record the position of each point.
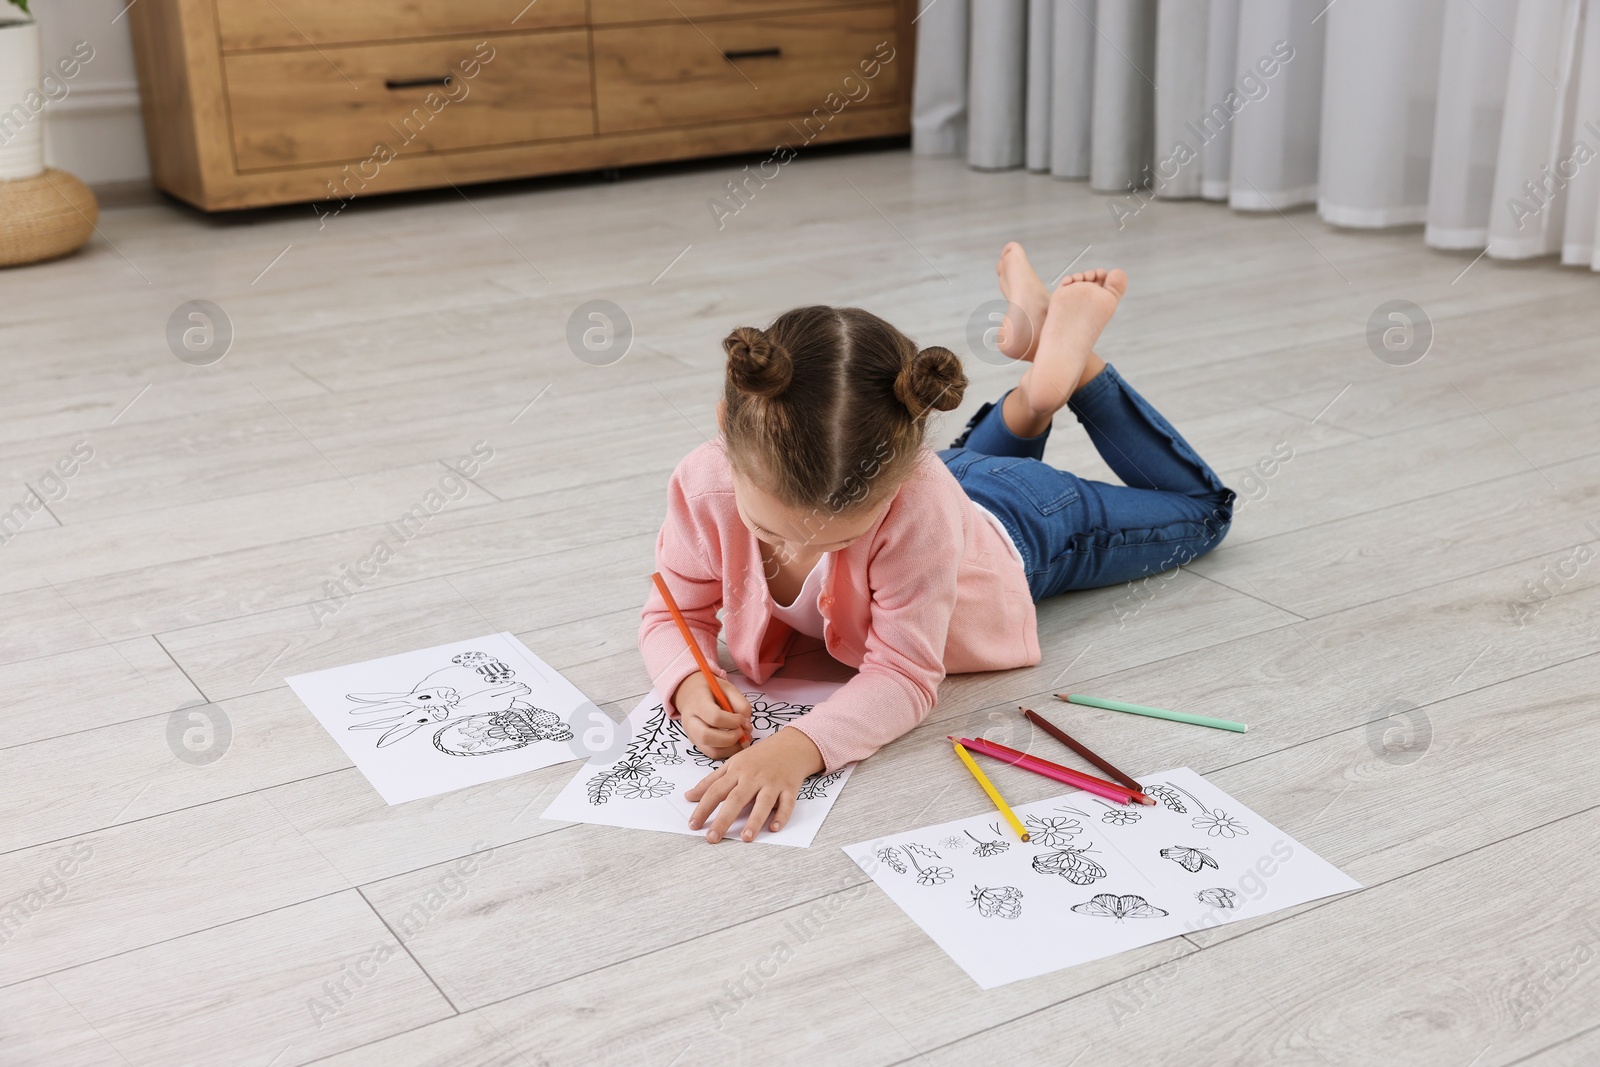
(696, 586)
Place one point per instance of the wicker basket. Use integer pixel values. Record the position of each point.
(44, 217)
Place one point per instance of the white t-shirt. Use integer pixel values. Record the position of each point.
(803, 614)
(995, 522)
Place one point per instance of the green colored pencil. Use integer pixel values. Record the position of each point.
(1154, 713)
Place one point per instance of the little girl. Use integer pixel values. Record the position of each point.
(821, 511)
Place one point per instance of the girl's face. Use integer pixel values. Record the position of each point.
(799, 531)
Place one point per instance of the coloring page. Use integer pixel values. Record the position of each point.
(440, 719)
(1094, 878)
(639, 780)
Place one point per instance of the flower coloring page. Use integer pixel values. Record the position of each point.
(636, 778)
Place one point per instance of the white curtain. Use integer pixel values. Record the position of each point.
(1474, 60)
(1478, 118)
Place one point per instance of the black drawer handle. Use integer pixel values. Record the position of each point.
(754, 53)
(414, 83)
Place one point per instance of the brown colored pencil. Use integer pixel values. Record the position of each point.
(1083, 750)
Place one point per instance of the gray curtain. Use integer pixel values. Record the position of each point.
(939, 96)
(1071, 86)
(1124, 94)
(999, 67)
(1477, 117)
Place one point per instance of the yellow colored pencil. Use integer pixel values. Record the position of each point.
(988, 787)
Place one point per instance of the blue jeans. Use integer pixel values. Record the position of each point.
(1079, 534)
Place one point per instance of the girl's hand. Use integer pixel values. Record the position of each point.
(768, 774)
(715, 732)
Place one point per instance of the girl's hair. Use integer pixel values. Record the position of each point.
(826, 407)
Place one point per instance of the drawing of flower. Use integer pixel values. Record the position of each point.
(1003, 900)
(816, 787)
(986, 849)
(602, 785)
(1219, 824)
(1216, 823)
(951, 843)
(1119, 816)
(644, 789)
(767, 714)
(1168, 796)
(929, 875)
(1053, 830)
(658, 739)
(632, 769)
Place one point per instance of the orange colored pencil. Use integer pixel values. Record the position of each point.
(694, 647)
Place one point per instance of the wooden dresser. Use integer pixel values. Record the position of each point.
(250, 102)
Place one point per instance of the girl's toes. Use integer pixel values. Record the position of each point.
(1117, 282)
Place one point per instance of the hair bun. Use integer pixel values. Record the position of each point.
(932, 380)
(756, 365)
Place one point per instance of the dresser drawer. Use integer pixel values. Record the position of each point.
(683, 74)
(606, 12)
(341, 104)
(297, 23)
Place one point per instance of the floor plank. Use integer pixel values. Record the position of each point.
(283, 987)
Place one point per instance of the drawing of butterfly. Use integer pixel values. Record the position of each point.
(1004, 901)
(1190, 859)
(1128, 906)
(1071, 864)
(1218, 898)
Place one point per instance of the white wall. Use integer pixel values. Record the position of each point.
(95, 131)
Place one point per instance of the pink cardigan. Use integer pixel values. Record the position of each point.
(931, 589)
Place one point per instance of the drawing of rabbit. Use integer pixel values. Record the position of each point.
(457, 689)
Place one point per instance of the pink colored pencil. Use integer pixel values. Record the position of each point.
(1087, 782)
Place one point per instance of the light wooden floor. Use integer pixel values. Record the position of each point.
(211, 909)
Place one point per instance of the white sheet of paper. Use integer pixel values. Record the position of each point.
(440, 719)
(1096, 879)
(639, 780)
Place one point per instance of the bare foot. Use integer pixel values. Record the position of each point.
(1064, 359)
(1027, 300)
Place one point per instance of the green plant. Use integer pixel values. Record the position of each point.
(23, 4)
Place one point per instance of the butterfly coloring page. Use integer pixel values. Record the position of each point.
(1094, 879)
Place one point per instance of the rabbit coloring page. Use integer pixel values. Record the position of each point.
(1092, 881)
(441, 719)
(641, 767)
